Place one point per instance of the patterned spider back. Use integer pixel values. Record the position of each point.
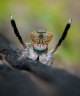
(41, 37)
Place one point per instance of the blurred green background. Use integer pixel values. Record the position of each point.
(51, 15)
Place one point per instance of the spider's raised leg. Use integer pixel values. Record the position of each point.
(62, 37)
(17, 32)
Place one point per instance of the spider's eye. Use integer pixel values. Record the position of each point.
(41, 36)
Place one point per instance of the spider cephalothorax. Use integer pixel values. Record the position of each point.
(41, 38)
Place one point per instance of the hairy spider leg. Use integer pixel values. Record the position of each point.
(17, 32)
(63, 36)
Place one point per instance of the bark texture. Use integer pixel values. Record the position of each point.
(26, 77)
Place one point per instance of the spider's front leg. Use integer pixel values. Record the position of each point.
(52, 52)
(26, 46)
(62, 37)
(17, 32)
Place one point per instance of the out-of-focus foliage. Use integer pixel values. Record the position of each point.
(51, 15)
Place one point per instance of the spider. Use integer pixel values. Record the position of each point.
(39, 50)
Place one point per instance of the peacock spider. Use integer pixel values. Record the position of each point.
(41, 39)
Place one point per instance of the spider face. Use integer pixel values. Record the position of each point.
(40, 47)
(41, 40)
